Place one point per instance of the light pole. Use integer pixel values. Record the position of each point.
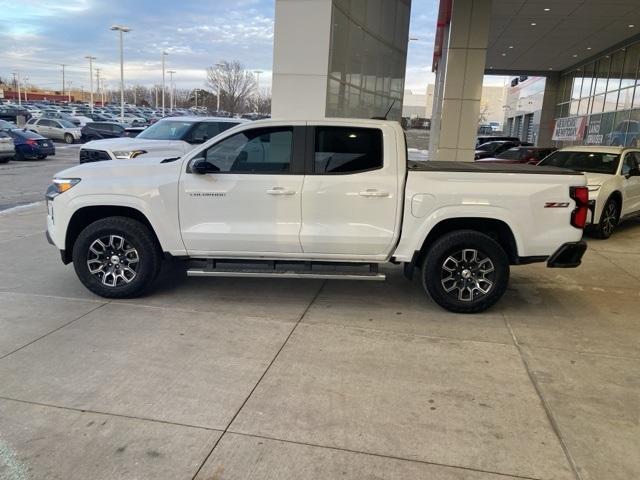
(69, 90)
(91, 59)
(218, 66)
(18, 85)
(122, 29)
(171, 99)
(258, 72)
(25, 88)
(164, 54)
(63, 65)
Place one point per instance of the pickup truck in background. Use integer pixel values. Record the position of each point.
(330, 199)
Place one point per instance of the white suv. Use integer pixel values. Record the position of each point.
(613, 177)
(170, 137)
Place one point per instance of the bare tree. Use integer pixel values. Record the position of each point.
(236, 85)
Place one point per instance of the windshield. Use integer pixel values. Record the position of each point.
(166, 130)
(594, 162)
(512, 154)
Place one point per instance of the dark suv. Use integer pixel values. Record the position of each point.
(100, 130)
(11, 113)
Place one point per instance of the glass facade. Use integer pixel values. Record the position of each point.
(607, 92)
(367, 58)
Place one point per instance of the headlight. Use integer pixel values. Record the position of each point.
(60, 185)
(593, 188)
(125, 155)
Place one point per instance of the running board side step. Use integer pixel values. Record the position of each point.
(284, 269)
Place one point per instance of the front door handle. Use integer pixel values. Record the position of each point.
(372, 192)
(280, 191)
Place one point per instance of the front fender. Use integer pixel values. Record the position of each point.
(163, 217)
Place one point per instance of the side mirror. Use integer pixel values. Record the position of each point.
(201, 167)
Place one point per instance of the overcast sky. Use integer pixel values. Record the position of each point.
(37, 35)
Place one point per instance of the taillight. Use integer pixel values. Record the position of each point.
(32, 142)
(579, 214)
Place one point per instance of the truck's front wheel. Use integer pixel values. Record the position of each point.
(465, 271)
(117, 257)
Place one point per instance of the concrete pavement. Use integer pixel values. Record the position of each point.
(275, 379)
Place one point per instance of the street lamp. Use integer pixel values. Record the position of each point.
(91, 59)
(258, 72)
(69, 90)
(171, 99)
(164, 54)
(18, 85)
(218, 66)
(122, 29)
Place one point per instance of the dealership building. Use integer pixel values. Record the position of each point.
(576, 61)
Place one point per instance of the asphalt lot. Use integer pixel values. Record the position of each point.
(281, 379)
(25, 182)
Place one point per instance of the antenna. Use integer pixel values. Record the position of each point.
(388, 110)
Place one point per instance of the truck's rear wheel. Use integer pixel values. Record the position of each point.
(117, 257)
(465, 271)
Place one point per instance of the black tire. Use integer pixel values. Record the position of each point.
(5, 160)
(609, 219)
(68, 138)
(134, 236)
(456, 279)
(19, 157)
(41, 157)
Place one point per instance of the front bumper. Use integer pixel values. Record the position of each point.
(568, 255)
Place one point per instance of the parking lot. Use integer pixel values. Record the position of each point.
(249, 378)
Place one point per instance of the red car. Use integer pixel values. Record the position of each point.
(531, 155)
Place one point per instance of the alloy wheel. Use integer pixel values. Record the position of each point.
(609, 218)
(467, 275)
(113, 260)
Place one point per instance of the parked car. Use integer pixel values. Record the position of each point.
(626, 134)
(489, 138)
(58, 129)
(4, 125)
(7, 148)
(531, 155)
(133, 132)
(11, 113)
(256, 194)
(30, 144)
(491, 149)
(61, 116)
(102, 130)
(613, 178)
(169, 137)
(83, 120)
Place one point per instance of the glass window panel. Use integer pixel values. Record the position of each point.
(636, 98)
(602, 74)
(576, 87)
(597, 104)
(625, 101)
(630, 74)
(587, 81)
(573, 107)
(583, 108)
(611, 101)
(615, 70)
(618, 135)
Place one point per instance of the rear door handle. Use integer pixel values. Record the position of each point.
(280, 191)
(372, 192)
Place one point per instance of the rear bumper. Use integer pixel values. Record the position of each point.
(568, 255)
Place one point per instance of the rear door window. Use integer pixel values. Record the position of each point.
(345, 150)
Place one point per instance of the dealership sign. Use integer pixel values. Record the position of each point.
(569, 129)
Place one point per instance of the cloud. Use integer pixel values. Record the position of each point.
(41, 34)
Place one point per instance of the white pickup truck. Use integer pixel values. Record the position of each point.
(328, 199)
